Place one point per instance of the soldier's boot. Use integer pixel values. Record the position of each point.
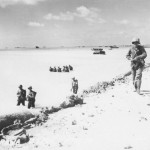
(18, 102)
(29, 105)
(135, 86)
(33, 104)
(23, 103)
(138, 86)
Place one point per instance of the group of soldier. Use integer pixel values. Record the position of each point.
(30, 97)
(136, 55)
(59, 69)
(21, 94)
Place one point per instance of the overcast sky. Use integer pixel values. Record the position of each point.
(73, 22)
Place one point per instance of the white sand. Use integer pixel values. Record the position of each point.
(32, 68)
(116, 120)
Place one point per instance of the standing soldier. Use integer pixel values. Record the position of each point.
(31, 98)
(137, 54)
(21, 94)
(74, 85)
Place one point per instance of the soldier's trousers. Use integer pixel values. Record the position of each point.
(137, 74)
(75, 89)
(31, 103)
(21, 101)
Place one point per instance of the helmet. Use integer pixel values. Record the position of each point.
(30, 87)
(20, 86)
(136, 40)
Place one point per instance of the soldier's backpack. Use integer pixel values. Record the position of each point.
(34, 94)
(24, 93)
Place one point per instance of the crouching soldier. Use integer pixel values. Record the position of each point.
(31, 98)
(21, 94)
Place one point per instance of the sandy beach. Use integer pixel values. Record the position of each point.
(65, 74)
(31, 68)
(114, 120)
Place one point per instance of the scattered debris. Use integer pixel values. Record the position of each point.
(84, 128)
(91, 115)
(101, 87)
(2, 137)
(71, 101)
(60, 144)
(128, 147)
(74, 122)
(22, 139)
(143, 118)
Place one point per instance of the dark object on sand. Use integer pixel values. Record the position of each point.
(61, 69)
(113, 46)
(22, 139)
(32, 120)
(76, 99)
(2, 137)
(8, 120)
(98, 51)
(72, 101)
(37, 47)
(7, 129)
(70, 67)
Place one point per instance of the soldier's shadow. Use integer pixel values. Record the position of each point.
(145, 92)
(38, 106)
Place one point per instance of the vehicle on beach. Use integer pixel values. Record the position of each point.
(114, 46)
(98, 51)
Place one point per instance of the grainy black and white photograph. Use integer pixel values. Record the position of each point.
(74, 74)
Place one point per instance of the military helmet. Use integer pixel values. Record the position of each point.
(20, 86)
(30, 87)
(136, 40)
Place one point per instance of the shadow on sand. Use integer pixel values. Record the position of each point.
(145, 92)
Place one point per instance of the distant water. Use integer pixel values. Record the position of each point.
(31, 68)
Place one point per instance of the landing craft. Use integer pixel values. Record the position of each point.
(98, 51)
(114, 46)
